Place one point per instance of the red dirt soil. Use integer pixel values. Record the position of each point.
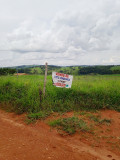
(20, 74)
(19, 141)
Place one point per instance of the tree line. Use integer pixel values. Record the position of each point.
(99, 70)
(73, 70)
(6, 71)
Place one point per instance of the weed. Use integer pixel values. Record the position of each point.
(32, 117)
(82, 113)
(106, 121)
(70, 125)
(29, 121)
(98, 119)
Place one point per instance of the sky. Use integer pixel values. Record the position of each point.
(60, 32)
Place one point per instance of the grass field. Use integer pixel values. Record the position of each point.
(91, 92)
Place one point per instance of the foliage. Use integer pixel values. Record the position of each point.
(70, 125)
(6, 71)
(87, 93)
(96, 70)
(32, 117)
(36, 70)
(98, 119)
(115, 69)
(72, 70)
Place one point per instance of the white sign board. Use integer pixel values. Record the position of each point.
(62, 80)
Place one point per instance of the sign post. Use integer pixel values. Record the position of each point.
(45, 79)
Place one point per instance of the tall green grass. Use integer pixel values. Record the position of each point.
(87, 93)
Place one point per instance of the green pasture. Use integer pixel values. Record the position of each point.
(90, 92)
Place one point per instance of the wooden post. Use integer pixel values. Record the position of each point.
(17, 74)
(45, 79)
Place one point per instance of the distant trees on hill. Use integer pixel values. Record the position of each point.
(6, 71)
(72, 70)
(99, 70)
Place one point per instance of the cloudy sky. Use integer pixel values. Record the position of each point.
(60, 32)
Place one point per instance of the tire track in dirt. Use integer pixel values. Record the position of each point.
(101, 154)
(20, 141)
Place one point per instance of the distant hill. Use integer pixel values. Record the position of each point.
(111, 69)
(40, 69)
(73, 70)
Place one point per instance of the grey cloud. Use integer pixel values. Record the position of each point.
(77, 33)
(88, 31)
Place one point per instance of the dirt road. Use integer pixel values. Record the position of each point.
(19, 141)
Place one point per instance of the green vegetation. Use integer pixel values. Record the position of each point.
(38, 115)
(88, 93)
(6, 71)
(98, 119)
(73, 70)
(36, 69)
(99, 70)
(70, 125)
(115, 69)
(32, 117)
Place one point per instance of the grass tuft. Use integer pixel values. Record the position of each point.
(70, 125)
(98, 119)
(32, 117)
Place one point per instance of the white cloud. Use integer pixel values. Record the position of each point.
(71, 34)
